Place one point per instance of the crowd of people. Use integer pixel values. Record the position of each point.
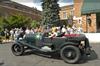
(15, 33)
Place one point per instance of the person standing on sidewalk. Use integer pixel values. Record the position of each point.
(7, 35)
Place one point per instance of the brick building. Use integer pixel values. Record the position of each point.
(89, 11)
(8, 7)
(65, 13)
(85, 14)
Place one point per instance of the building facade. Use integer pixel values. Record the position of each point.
(89, 11)
(8, 8)
(66, 12)
(85, 14)
(89, 20)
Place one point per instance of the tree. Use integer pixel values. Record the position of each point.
(16, 21)
(51, 12)
(1, 23)
(34, 24)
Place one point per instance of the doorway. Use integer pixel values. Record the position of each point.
(98, 22)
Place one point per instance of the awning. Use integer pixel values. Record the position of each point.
(90, 6)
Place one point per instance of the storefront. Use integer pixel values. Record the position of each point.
(91, 14)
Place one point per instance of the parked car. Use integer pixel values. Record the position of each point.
(70, 46)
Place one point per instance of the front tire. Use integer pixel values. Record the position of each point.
(70, 54)
(17, 49)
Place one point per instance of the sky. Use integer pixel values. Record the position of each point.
(37, 3)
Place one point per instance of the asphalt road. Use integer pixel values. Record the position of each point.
(36, 59)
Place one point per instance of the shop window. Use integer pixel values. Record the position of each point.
(71, 13)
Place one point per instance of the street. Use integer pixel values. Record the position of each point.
(36, 59)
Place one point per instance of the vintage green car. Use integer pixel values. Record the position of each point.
(70, 47)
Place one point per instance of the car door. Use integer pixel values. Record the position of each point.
(30, 39)
(40, 40)
(58, 41)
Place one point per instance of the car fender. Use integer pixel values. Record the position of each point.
(18, 42)
(68, 43)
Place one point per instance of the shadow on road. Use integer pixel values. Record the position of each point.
(84, 58)
(1, 64)
(43, 54)
(91, 57)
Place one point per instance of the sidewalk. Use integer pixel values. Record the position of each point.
(93, 37)
(7, 41)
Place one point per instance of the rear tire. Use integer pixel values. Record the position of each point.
(70, 54)
(17, 49)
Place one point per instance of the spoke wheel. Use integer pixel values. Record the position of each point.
(17, 49)
(70, 54)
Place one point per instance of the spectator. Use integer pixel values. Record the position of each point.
(21, 34)
(16, 33)
(79, 30)
(70, 30)
(63, 29)
(74, 28)
(7, 34)
(12, 34)
(29, 31)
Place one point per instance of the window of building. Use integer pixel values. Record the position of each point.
(71, 13)
(65, 15)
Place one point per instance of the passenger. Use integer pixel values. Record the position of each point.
(54, 33)
(29, 31)
(63, 30)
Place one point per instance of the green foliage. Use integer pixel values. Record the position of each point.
(34, 24)
(51, 12)
(15, 21)
(1, 23)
